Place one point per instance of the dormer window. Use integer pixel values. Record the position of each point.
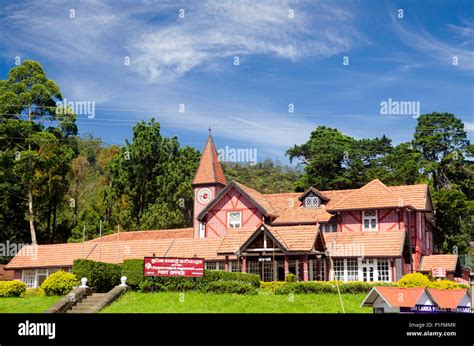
(312, 201)
(234, 219)
(312, 198)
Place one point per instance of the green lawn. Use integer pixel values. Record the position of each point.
(193, 302)
(27, 304)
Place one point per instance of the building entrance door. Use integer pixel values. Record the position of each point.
(368, 270)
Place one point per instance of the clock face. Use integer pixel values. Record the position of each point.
(204, 195)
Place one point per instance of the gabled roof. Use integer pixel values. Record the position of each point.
(296, 238)
(448, 262)
(394, 296)
(289, 238)
(209, 170)
(447, 299)
(316, 192)
(142, 235)
(365, 243)
(259, 200)
(372, 195)
(234, 239)
(414, 195)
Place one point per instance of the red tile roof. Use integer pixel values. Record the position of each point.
(395, 296)
(365, 244)
(63, 255)
(289, 209)
(209, 170)
(372, 195)
(447, 299)
(152, 234)
(291, 238)
(234, 239)
(259, 198)
(296, 238)
(439, 261)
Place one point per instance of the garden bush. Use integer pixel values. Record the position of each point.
(272, 285)
(329, 287)
(59, 283)
(133, 270)
(101, 276)
(414, 280)
(34, 292)
(444, 284)
(219, 275)
(236, 287)
(13, 288)
(290, 277)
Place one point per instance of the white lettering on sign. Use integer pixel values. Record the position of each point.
(37, 329)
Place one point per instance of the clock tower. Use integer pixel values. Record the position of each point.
(208, 182)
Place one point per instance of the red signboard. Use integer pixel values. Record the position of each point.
(438, 272)
(172, 266)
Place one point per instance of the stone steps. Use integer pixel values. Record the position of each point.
(96, 301)
(89, 304)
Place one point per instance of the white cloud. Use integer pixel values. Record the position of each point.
(85, 55)
(469, 127)
(438, 51)
(214, 32)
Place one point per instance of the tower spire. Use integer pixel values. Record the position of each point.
(209, 171)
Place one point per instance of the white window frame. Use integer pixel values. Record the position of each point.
(234, 266)
(35, 273)
(370, 218)
(420, 231)
(202, 230)
(229, 225)
(312, 202)
(344, 263)
(329, 227)
(427, 236)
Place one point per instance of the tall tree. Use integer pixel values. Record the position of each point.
(437, 135)
(151, 177)
(28, 99)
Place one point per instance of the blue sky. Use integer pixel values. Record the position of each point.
(284, 59)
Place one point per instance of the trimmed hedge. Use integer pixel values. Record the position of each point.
(215, 275)
(414, 280)
(101, 276)
(236, 287)
(272, 285)
(133, 270)
(13, 288)
(328, 287)
(59, 283)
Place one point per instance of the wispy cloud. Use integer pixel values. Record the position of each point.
(213, 32)
(438, 51)
(465, 33)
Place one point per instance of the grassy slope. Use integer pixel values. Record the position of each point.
(30, 304)
(165, 302)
